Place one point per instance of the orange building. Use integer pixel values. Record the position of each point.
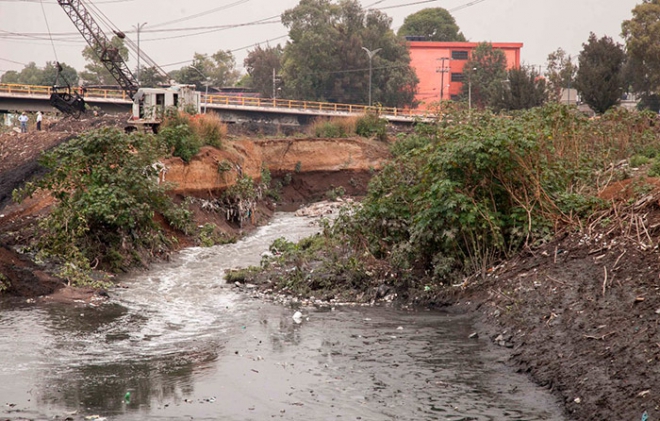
(439, 66)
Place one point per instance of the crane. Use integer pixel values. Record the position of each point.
(148, 103)
(99, 42)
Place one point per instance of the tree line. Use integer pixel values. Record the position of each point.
(336, 48)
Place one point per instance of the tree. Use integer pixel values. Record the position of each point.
(219, 69)
(642, 69)
(560, 73)
(642, 36)
(151, 78)
(95, 72)
(46, 76)
(434, 24)
(325, 61)
(524, 89)
(260, 64)
(599, 79)
(485, 74)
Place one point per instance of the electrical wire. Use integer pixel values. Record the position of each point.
(48, 26)
(205, 13)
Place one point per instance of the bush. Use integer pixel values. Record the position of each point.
(472, 191)
(335, 127)
(210, 129)
(181, 141)
(370, 125)
(106, 194)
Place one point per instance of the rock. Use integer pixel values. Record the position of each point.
(297, 317)
(382, 291)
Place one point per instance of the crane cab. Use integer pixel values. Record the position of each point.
(151, 104)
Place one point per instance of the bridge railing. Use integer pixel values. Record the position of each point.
(245, 101)
(16, 88)
(302, 105)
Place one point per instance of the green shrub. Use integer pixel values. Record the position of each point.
(370, 125)
(107, 193)
(461, 195)
(210, 129)
(180, 140)
(637, 161)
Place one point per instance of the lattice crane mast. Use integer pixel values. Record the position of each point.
(99, 42)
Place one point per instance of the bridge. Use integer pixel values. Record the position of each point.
(231, 109)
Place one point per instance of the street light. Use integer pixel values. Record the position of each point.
(206, 84)
(371, 55)
(470, 89)
(138, 28)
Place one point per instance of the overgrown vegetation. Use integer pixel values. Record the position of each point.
(478, 187)
(184, 134)
(367, 125)
(105, 185)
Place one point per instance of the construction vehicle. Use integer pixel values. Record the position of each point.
(149, 104)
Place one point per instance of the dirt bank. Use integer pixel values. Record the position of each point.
(581, 313)
(302, 169)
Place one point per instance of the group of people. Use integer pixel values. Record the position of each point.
(23, 120)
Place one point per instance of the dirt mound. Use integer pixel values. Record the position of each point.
(582, 313)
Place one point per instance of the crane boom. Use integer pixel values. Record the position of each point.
(104, 50)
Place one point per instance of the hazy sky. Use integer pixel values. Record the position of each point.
(176, 29)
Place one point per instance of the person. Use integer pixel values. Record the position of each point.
(39, 118)
(23, 119)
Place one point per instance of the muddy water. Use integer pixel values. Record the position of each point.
(180, 344)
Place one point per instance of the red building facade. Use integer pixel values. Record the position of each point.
(439, 67)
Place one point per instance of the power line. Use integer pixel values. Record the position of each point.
(205, 13)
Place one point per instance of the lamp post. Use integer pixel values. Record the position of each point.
(371, 55)
(138, 28)
(470, 89)
(206, 84)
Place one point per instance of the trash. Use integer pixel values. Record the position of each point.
(645, 416)
(473, 335)
(297, 317)
(577, 400)
(127, 397)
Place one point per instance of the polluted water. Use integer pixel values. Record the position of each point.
(179, 343)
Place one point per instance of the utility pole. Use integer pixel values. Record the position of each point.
(138, 28)
(442, 70)
(276, 80)
(371, 55)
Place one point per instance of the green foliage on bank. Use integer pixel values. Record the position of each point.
(466, 192)
(478, 186)
(367, 125)
(106, 195)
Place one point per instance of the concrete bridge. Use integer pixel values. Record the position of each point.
(231, 109)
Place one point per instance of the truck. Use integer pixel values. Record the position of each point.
(149, 104)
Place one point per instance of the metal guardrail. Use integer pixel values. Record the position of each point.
(243, 101)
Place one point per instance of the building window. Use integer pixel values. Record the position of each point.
(455, 97)
(457, 77)
(459, 55)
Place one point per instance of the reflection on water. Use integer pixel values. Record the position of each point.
(179, 343)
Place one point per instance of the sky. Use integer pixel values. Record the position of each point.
(173, 30)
